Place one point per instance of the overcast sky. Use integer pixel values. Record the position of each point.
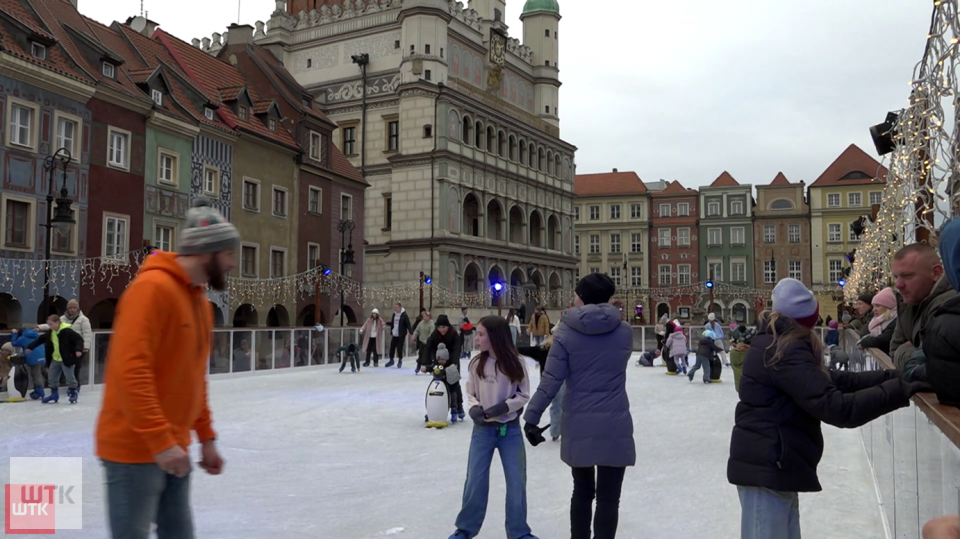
(686, 89)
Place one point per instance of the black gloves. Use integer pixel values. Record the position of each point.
(476, 414)
(534, 433)
(496, 410)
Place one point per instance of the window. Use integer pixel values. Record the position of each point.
(683, 274)
(853, 237)
(636, 211)
(316, 146)
(279, 202)
(594, 270)
(315, 202)
(683, 237)
(350, 141)
(635, 277)
(769, 272)
(664, 210)
(387, 212)
(278, 263)
(737, 236)
(272, 125)
(769, 234)
(576, 213)
(738, 271)
(208, 113)
(736, 207)
(594, 244)
(663, 275)
(836, 270)
(714, 236)
(37, 50)
(108, 70)
(118, 151)
(167, 163)
(833, 232)
(313, 255)
(614, 243)
(715, 271)
(21, 125)
(576, 244)
(251, 195)
(833, 200)
(157, 97)
(546, 33)
(115, 236)
(713, 209)
(346, 208)
(163, 237)
(210, 177)
(793, 231)
(781, 205)
(683, 210)
(67, 131)
(664, 237)
(248, 260)
(427, 74)
(393, 136)
(614, 211)
(636, 245)
(795, 270)
(854, 199)
(594, 213)
(242, 113)
(615, 275)
(875, 197)
(17, 224)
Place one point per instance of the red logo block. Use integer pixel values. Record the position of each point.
(30, 509)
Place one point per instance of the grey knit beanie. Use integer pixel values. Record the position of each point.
(206, 231)
(443, 353)
(792, 298)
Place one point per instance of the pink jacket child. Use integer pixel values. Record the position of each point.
(677, 344)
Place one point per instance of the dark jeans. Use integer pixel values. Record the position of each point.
(455, 395)
(372, 350)
(396, 345)
(601, 482)
(139, 495)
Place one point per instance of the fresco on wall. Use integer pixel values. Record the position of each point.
(469, 67)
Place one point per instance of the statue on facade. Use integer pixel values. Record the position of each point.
(348, 9)
(372, 6)
(325, 16)
(337, 12)
(259, 32)
(314, 17)
(280, 6)
(303, 19)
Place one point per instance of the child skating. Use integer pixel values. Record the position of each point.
(676, 346)
(707, 350)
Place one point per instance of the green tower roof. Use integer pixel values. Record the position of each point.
(533, 6)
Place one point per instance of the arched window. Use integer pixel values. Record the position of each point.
(781, 204)
(532, 156)
(513, 148)
(467, 137)
(501, 144)
(557, 170)
(453, 125)
(523, 152)
(491, 140)
(541, 159)
(478, 136)
(550, 163)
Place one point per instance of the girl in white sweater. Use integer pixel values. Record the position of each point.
(497, 389)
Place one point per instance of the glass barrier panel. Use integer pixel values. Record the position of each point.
(301, 347)
(282, 349)
(242, 345)
(100, 343)
(318, 346)
(220, 353)
(334, 341)
(263, 349)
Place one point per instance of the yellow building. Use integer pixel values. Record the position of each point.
(841, 195)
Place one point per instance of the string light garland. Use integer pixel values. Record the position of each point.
(921, 192)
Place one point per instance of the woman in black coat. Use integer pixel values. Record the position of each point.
(785, 393)
(428, 352)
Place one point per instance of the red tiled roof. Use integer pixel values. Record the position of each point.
(608, 184)
(853, 160)
(724, 180)
(141, 76)
(780, 180)
(674, 189)
(262, 107)
(230, 93)
(56, 59)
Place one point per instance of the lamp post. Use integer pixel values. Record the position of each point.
(324, 270)
(60, 218)
(424, 279)
(346, 255)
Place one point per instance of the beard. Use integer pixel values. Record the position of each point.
(216, 277)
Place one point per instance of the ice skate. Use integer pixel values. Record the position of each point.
(74, 395)
(388, 365)
(54, 397)
(37, 394)
(399, 363)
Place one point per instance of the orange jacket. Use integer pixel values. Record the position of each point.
(156, 379)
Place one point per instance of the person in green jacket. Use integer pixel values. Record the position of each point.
(740, 338)
(421, 333)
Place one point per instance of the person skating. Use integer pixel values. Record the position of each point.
(373, 343)
(424, 330)
(155, 390)
(676, 349)
(446, 335)
(80, 324)
(399, 329)
(349, 353)
(707, 350)
(35, 360)
(64, 347)
(445, 370)
(497, 390)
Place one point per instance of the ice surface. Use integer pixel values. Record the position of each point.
(313, 453)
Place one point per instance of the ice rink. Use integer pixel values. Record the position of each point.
(313, 453)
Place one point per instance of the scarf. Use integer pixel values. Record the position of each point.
(73, 318)
(880, 323)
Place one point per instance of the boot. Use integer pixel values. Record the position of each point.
(54, 397)
(37, 393)
(342, 366)
(399, 363)
(389, 363)
(74, 394)
(453, 417)
(366, 363)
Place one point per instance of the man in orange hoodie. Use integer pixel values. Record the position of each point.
(156, 384)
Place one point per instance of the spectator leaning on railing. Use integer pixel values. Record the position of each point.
(884, 321)
(923, 289)
(941, 347)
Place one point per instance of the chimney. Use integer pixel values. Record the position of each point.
(615, 170)
(240, 34)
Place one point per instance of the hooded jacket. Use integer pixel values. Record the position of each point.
(68, 344)
(155, 389)
(23, 339)
(677, 344)
(941, 344)
(452, 339)
(590, 353)
(911, 319)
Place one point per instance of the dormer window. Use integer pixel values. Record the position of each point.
(38, 50)
(157, 97)
(273, 125)
(109, 70)
(208, 112)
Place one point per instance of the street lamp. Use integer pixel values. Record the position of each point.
(424, 279)
(346, 256)
(497, 291)
(60, 217)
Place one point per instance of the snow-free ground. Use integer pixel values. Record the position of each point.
(318, 454)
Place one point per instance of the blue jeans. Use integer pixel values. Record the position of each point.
(768, 514)
(701, 362)
(56, 369)
(139, 495)
(513, 457)
(556, 411)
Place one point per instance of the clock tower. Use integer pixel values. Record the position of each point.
(541, 21)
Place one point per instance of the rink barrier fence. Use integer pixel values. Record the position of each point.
(914, 453)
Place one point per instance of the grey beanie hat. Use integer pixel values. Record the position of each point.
(207, 231)
(442, 352)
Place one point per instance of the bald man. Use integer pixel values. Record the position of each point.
(923, 288)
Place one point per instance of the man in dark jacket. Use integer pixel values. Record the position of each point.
(864, 309)
(923, 289)
(64, 347)
(399, 329)
(941, 344)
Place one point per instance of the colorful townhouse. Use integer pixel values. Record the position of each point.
(674, 252)
(781, 230)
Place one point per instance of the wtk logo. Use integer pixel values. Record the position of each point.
(45, 494)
